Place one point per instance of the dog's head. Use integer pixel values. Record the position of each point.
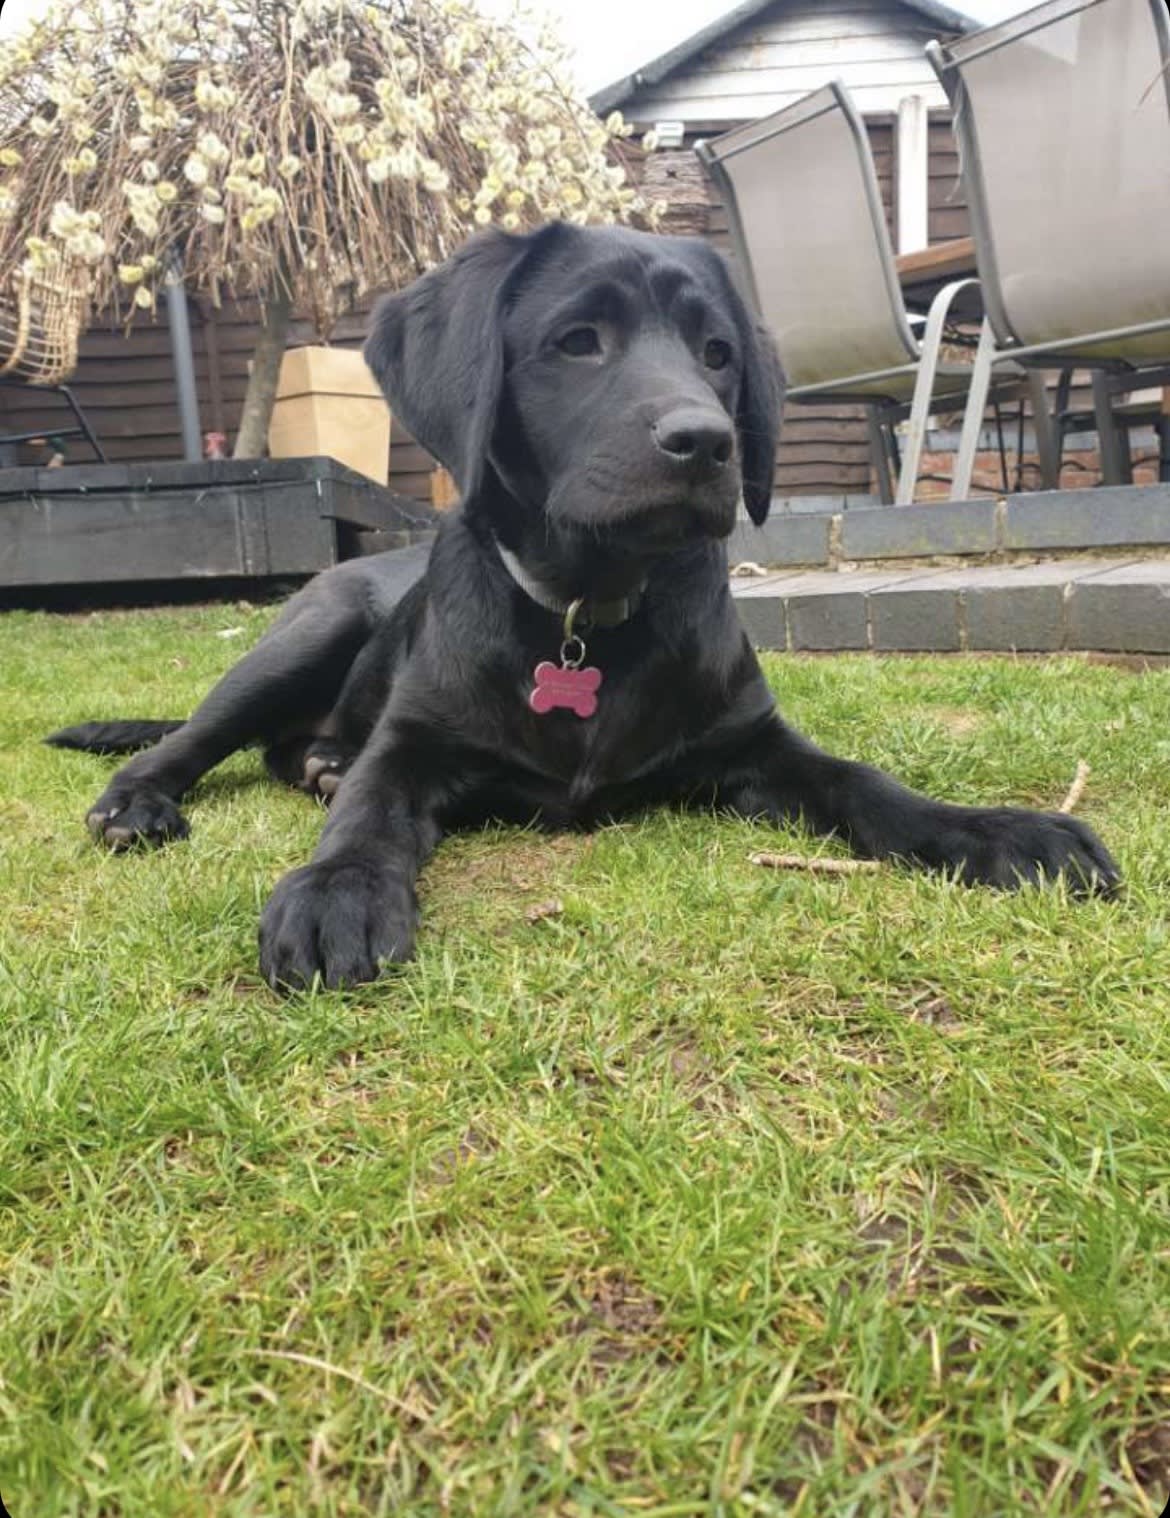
(611, 379)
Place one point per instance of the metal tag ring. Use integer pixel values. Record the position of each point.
(572, 614)
(575, 660)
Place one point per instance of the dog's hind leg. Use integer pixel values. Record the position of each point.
(293, 676)
(313, 763)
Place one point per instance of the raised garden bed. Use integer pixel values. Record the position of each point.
(101, 526)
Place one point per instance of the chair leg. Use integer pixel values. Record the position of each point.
(924, 387)
(1049, 437)
(1111, 441)
(880, 456)
(1002, 446)
(973, 415)
(82, 423)
(1019, 476)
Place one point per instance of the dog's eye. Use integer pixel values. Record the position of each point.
(717, 354)
(580, 342)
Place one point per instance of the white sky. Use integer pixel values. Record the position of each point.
(610, 37)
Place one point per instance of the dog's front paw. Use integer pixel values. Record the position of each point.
(125, 816)
(1007, 848)
(343, 922)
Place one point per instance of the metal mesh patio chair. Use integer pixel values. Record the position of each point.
(1063, 121)
(1130, 410)
(806, 216)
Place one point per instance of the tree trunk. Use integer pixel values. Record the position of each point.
(260, 395)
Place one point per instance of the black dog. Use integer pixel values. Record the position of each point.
(602, 397)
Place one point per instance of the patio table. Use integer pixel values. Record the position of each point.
(923, 273)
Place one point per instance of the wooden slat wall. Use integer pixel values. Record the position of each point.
(125, 384)
(947, 216)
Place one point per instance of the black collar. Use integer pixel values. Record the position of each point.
(595, 613)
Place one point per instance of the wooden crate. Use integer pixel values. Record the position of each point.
(328, 403)
(444, 491)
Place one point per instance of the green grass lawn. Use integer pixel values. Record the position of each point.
(720, 1191)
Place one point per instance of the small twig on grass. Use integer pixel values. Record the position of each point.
(815, 866)
(347, 1375)
(1077, 789)
(818, 866)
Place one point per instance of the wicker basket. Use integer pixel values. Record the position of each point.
(42, 314)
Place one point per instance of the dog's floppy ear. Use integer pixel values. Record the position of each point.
(437, 350)
(757, 418)
(761, 398)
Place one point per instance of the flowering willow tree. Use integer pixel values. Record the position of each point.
(301, 151)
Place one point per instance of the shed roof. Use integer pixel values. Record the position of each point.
(943, 16)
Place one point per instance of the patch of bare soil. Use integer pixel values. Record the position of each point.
(621, 1320)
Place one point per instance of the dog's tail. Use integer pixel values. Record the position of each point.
(112, 737)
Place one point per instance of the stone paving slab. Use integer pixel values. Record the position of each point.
(950, 527)
(1023, 607)
(821, 532)
(763, 609)
(764, 585)
(786, 538)
(1071, 604)
(1125, 609)
(829, 610)
(1109, 516)
(918, 614)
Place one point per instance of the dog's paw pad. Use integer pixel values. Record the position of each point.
(323, 772)
(97, 822)
(142, 818)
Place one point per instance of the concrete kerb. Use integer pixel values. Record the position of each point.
(1068, 604)
(1039, 522)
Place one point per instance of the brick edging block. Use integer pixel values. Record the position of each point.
(1042, 521)
(1040, 608)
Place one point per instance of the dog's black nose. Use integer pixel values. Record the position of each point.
(695, 436)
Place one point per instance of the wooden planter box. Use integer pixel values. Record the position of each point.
(329, 404)
(110, 524)
(444, 491)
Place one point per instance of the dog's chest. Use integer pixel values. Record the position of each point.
(661, 700)
(567, 770)
(515, 791)
(576, 758)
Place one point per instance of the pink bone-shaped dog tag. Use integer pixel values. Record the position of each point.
(558, 685)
